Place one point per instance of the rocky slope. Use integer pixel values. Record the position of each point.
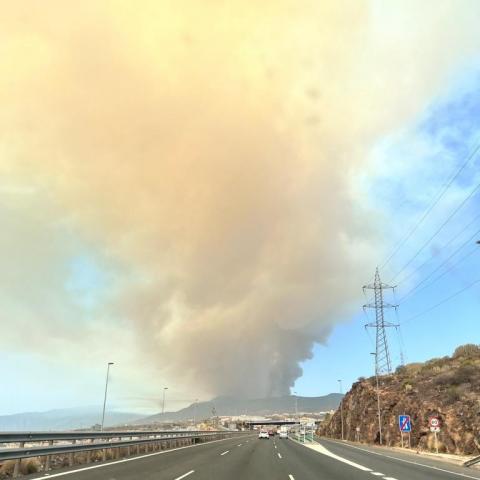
(447, 387)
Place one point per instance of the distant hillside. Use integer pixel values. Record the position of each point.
(447, 387)
(226, 406)
(64, 419)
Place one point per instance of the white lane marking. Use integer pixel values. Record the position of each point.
(124, 460)
(275, 447)
(378, 474)
(291, 477)
(411, 462)
(279, 456)
(224, 453)
(389, 478)
(321, 449)
(185, 475)
(239, 445)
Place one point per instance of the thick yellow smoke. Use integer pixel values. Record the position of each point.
(210, 149)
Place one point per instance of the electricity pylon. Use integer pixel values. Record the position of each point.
(383, 364)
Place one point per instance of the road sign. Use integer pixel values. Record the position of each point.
(405, 423)
(434, 423)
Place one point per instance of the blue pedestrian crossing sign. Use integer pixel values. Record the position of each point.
(405, 423)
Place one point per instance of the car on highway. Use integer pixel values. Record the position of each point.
(264, 434)
(283, 434)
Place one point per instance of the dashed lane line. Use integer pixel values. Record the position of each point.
(291, 477)
(185, 475)
(279, 456)
(378, 474)
(224, 453)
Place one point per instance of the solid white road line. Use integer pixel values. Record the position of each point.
(279, 456)
(463, 475)
(185, 475)
(321, 449)
(291, 477)
(224, 453)
(124, 460)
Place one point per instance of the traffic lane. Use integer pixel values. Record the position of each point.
(408, 456)
(253, 461)
(398, 466)
(301, 463)
(168, 465)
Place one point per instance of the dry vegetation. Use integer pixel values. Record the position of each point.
(447, 387)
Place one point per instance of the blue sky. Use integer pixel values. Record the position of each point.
(425, 154)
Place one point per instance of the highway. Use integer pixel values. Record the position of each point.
(249, 458)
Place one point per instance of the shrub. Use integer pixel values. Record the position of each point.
(453, 394)
(468, 350)
(464, 374)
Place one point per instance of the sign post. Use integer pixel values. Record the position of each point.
(434, 423)
(405, 425)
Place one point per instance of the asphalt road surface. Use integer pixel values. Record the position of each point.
(249, 458)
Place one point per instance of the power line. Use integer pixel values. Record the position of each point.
(459, 234)
(438, 197)
(467, 242)
(452, 214)
(401, 346)
(470, 253)
(445, 300)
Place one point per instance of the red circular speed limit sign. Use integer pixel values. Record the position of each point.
(434, 422)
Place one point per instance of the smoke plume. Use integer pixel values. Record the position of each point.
(207, 154)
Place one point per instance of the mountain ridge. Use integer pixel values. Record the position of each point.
(232, 406)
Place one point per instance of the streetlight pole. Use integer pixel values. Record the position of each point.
(378, 400)
(163, 403)
(341, 406)
(195, 411)
(105, 396)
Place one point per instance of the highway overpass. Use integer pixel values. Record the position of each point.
(273, 423)
(248, 458)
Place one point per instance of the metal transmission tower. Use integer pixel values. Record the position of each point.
(383, 364)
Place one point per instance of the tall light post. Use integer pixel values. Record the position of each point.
(163, 402)
(105, 396)
(341, 406)
(195, 411)
(378, 400)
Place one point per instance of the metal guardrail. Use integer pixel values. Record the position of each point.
(158, 440)
(15, 437)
